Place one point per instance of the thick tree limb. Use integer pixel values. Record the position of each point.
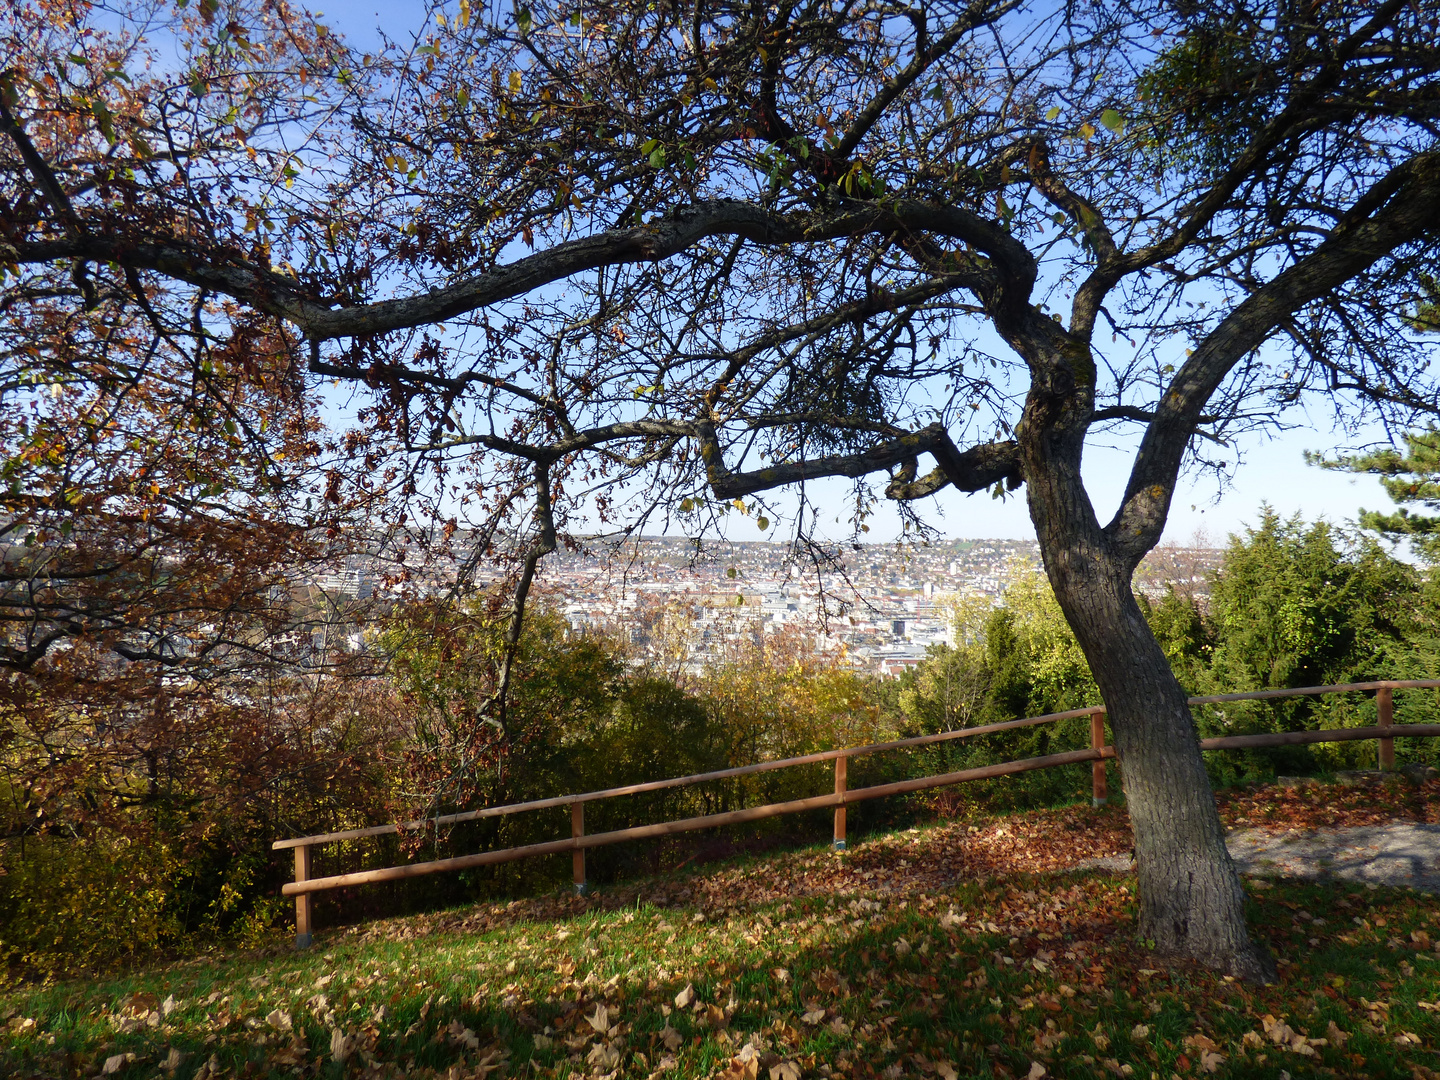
(1410, 211)
(1012, 277)
(969, 470)
(977, 468)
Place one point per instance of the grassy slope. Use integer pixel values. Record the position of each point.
(922, 953)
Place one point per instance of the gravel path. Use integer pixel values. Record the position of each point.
(1400, 854)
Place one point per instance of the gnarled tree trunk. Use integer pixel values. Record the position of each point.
(1191, 900)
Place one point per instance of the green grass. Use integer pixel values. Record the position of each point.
(905, 976)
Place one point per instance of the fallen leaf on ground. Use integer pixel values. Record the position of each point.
(341, 1046)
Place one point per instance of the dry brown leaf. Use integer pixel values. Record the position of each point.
(603, 1058)
(461, 1035)
(599, 1020)
(341, 1046)
(1211, 1061)
(1277, 1030)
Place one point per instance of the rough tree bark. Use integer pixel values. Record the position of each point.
(1191, 900)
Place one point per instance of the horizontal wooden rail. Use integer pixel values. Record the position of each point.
(707, 821)
(1301, 738)
(1302, 691)
(679, 781)
(806, 759)
(305, 886)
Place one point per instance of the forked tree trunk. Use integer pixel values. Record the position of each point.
(1191, 900)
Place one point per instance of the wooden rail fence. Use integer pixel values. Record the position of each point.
(305, 886)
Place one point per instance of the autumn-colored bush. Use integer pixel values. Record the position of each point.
(69, 903)
(133, 816)
(590, 711)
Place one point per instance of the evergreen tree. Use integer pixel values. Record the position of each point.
(1296, 605)
(1306, 605)
(1427, 307)
(1411, 477)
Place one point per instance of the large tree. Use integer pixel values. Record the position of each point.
(628, 258)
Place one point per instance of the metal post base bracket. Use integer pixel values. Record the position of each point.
(1098, 802)
(582, 888)
(837, 845)
(303, 941)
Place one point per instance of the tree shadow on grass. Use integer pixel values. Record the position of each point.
(891, 978)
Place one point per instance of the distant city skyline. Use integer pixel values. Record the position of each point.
(880, 611)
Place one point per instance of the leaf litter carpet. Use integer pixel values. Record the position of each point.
(925, 953)
(1302, 832)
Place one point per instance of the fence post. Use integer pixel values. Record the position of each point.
(1385, 706)
(577, 859)
(303, 902)
(842, 768)
(1099, 789)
